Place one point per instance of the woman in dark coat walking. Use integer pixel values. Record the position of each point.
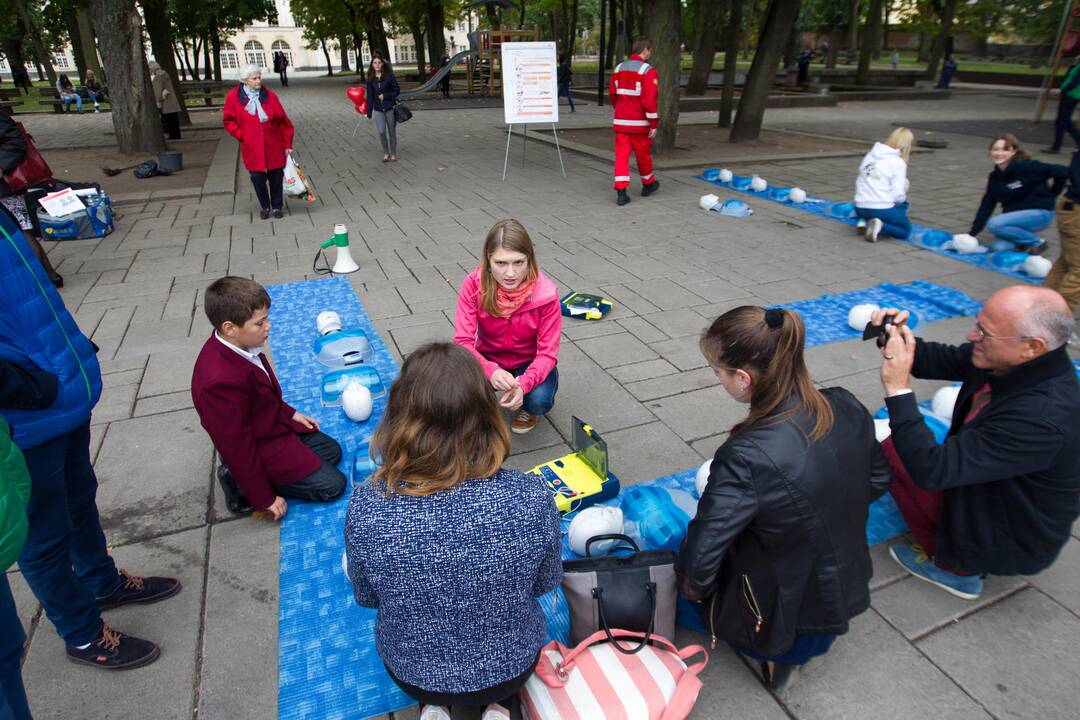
(382, 92)
(254, 116)
(777, 551)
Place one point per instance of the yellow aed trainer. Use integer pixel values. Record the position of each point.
(581, 478)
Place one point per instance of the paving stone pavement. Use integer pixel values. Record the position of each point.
(637, 376)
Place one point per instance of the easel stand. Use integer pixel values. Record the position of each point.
(525, 141)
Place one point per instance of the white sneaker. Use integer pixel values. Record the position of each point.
(493, 712)
(873, 229)
(861, 225)
(434, 712)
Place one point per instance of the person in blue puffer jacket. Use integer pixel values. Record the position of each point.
(49, 383)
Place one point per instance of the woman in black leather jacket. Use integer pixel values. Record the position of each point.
(777, 552)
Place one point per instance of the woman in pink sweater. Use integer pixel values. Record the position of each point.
(509, 317)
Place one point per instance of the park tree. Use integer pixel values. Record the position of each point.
(663, 27)
(946, 12)
(1033, 21)
(321, 20)
(29, 16)
(408, 16)
(135, 116)
(779, 18)
(12, 36)
(706, 25)
(731, 59)
(870, 42)
(159, 29)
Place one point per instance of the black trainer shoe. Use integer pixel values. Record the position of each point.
(647, 190)
(264, 214)
(278, 214)
(112, 650)
(621, 198)
(135, 590)
(235, 499)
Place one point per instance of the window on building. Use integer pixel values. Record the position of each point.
(60, 60)
(366, 55)
(254, 54)
(230, 59)
(4, 67)
(282, 47)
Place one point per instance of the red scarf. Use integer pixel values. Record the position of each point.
(508, 301)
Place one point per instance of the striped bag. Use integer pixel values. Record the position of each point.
(594, 681)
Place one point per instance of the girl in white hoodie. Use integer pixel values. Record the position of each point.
(881, 187)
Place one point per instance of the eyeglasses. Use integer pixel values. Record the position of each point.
(983, 335)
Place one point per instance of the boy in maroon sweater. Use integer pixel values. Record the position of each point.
(269, 449)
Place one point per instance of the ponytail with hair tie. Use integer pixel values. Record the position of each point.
(774, 317)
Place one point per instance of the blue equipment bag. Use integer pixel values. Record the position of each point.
(94, 222)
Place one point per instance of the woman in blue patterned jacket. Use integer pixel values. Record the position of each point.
(450, 548)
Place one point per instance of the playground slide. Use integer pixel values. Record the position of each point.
(433, 81)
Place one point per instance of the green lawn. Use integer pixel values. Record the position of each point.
(32, 102)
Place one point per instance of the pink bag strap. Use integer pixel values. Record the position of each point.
(551, 674)
(690, 651)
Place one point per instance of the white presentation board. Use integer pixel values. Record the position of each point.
(530, 88)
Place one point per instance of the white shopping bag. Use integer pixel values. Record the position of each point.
(293, 182)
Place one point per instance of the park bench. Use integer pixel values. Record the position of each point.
(9, 98)
(208, 91)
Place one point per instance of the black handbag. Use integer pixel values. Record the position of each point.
(401, 113)
(634, 592)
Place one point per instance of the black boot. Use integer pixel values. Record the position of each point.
(647, 190)
(621, 198)
(234, 496)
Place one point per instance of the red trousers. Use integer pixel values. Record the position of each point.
(642, 146)
(921, 508)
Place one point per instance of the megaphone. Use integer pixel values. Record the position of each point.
(344, 263)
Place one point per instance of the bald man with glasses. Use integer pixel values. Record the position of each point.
(1000, 495)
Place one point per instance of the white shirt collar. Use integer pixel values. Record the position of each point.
(251, 357)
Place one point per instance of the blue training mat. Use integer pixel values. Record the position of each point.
(825, 317)
(922, 237)
(327, 663)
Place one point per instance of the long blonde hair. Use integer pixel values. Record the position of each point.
(742, 339)
(442, 425)
(901, 139)
(508, 235)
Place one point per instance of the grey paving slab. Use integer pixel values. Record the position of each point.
(239, 670)
(917, 608)
(1017, 658)
(646, 452)
(699, 413)
(161, 690)
(872, 672)
(672, 384)
(597, 398)
(153, 476)
(1061, 581)
(614, 350)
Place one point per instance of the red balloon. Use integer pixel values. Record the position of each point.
(358, 95)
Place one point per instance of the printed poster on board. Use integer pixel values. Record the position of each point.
(530, 89)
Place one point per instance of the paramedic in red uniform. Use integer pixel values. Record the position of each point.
(633, 90)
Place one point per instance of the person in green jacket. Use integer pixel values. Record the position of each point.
(14, 495)
(1070, 96)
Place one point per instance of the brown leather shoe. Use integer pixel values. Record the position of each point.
(524, 422)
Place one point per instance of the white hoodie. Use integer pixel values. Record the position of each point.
(882, 179)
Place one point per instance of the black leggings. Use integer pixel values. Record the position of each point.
(273, 200)
(503, 693)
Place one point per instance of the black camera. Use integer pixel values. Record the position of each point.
(877, 331)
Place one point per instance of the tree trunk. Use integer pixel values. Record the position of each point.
(731, 59)
(749, 20)
(705, 44)
(182, 67)
(663, 29)
(86, 37)
(886, 11)
(207, 63)
(611, 59)
(72, 27)
(852, 31)
(869, 42)
(215, 46)
(40, 53)
(12, 50)
(924, 47)
(834, 49)
(573, 28)
(373, 28)
(415, 28)
(344, 48)
(196, 47)
(156, 19)
(943, 43)
(40, 71)
(792, 48)
(134, 114)
(326, 54)
(436, 23)
(779, 18)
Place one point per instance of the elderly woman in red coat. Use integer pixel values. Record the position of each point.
(255, 117)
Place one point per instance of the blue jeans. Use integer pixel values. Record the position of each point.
(564, 89)
(326, 483)
(68, 99)
(894, 220)
(1019, 227)
(541, 398)
(65, 560)
(12, 694)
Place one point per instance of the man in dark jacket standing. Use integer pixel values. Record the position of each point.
(1001, 494)
(1068, 98)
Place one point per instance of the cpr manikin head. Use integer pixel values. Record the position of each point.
(1018, 324)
